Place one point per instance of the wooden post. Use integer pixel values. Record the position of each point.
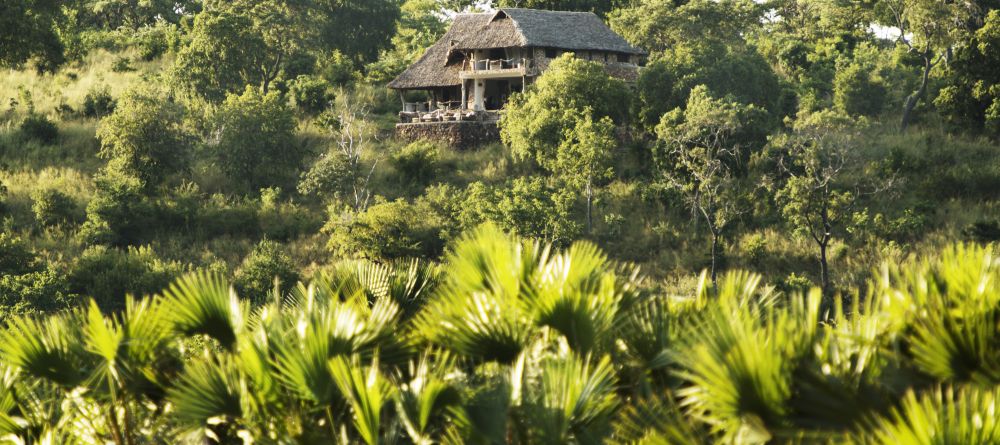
(465, 96)
(402, 99)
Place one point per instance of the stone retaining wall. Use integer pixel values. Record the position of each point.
(464, 135)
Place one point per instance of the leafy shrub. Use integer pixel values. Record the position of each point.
(154, 41)
(328, 177)
(256, 140)
(417, 163)
(119, 213)
(38, 292)
(98, 102)
(145, 138)
(337, 69)
(753, 248)
(386, 230)
(122, 64)
(983, 231)
(856, 93)
(16, 258)
(255, 278)
(283, 221)
(220, 215)
(37, 127)
(311, 94)
(108, 274)
(906, 227)
(794, 283)
(52, 207)
(526, 206)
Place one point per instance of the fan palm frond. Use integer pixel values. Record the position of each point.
(655, 421)
(646, 334)
(946, 310)
(579, 296)
(367, 392)
(940, 416)
(574, 401)
(739, 365)
(429, 395)
(480, 310)
(50, 348)
(208, 391)
(201, 303)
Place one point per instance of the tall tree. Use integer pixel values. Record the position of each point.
(823, 181)
(360, 29)
(698, 155)
(240, 43)
(928, 29)
(566, 124)
(28, 29)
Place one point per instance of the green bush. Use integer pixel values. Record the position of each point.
(154, 41)
(52, 207)
(753, 248)
(108, 274)
(255, 278)
(337, 69)
(119, 214)
(37, 127)
(982, 231)
(146, 138)
(256, 140)
(39, 292)
(16, 257)
(122, 64)
(282, 220)
(98, 102)
(311, 94)
(857, 93)
(418, 163)
(387, 230)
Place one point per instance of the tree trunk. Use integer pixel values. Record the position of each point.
(911, 101)
(590, 207)
(824, 267)
(715, 250)
(824, 243)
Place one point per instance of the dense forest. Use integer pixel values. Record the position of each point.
(779, 233)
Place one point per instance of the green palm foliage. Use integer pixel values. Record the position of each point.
(511, 341)
(941, 416)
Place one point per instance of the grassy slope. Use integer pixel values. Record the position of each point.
(955, 181)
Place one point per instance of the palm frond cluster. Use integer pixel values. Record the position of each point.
(510, 341)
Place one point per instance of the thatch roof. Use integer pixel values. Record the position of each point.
(572, 31)
(509, 28)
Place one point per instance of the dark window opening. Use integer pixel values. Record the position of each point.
(551, 53)
(623, 58)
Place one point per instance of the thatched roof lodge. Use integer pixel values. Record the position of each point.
(485, 57)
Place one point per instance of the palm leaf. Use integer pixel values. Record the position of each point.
(428, 397)
(205, 304)
(574, 401)
(367, 392)
(49, 349)
(208, 390)
(941, 416)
